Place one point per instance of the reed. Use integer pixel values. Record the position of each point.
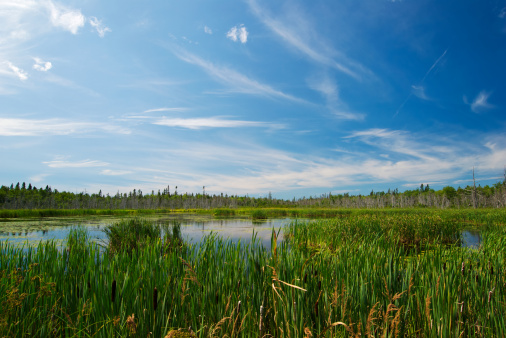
(394, 275)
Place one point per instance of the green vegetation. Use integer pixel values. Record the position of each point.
(29, 197)
(385, 274)
(259, 214)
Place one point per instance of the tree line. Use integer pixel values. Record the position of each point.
(22, 196)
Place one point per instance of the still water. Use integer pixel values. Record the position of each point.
(193, 228)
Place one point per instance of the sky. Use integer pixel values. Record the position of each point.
(296, 98)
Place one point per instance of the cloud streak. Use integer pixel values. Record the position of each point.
(21, 74)
(211, 122)
(99, 26)
(78, 164)
(312, 47)
(238, 83)
(480, 102)
(329, 90)
(52, 127)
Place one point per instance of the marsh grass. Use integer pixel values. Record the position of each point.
(345, 277)
(130, 235)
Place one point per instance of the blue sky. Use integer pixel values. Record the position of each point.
(296, 98)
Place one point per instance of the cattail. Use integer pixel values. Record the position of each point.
(490, 295)
(217, 298)
(477, 278)
(113, 296)
(305, 278)
(444, 266)
(155, 299)
(491, 269)
(238, 285)
(463, 269)
(261, 314)
(238, 307)
(295, 312)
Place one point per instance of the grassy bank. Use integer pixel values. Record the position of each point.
(360, 275)
(470, 215)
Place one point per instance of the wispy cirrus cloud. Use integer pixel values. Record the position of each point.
(419, 91)
(47, 127)
(330, 92)
(166, 109)
(299, 34)
(77, 164)
(99, 26)
(257, 169)
(109, 172)
(211, 122)
(238, 83)
(480, 102)
(21, 74)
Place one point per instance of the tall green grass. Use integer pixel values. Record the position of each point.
(357, 276)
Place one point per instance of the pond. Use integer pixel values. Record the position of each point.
(193, 227)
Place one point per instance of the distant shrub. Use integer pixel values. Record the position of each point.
(223, 212)
(259, 214)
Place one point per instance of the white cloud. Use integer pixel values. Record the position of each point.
(238, 82)
(42, 66)
(299, 34)
(21, 74)
(68, 19)
(238, 33)
(330, 92)
(480, 102)
(208, 30)
(419, 91)
(78, 164)
(38, 178)
(175, 109)
(27, 127)
(99, 26)
(502, 15)
(110, 172)
(210, 122)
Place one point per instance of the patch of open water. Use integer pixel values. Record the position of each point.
(193, 227)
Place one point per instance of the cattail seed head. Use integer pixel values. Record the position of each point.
(155, 299)
(444, 266)
(113, 293)
(489, 296)
(463, 269)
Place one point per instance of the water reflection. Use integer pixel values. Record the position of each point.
(471, 238)
(193, 227)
